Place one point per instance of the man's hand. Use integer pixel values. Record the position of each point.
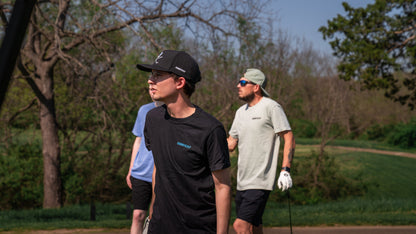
(285, 181)
(232, 143)
(128, 180)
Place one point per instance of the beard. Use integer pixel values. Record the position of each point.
(248, 97)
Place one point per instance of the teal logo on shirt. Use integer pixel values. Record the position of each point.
(183, 145)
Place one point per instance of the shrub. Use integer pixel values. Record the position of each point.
(21, 176)
(303, 128)
(95, 175)
(375, 132)
(403, 135)
(314, 185)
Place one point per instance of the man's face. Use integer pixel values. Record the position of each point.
(161, 85)
(245, 90)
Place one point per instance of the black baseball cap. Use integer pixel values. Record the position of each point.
(177, 62)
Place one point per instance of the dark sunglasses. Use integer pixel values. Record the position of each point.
(245, 82)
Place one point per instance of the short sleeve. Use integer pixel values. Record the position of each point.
(234, 130)
(217, 150)
(279, 119)
(139, 124)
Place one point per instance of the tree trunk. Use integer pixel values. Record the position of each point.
(52, 185)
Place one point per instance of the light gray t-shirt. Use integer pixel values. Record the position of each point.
(256, 129)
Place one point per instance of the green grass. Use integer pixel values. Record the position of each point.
(388, 176)
(107, 216)
(390, 200)
(349, 212)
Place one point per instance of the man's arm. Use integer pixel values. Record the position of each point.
(223, 198)
(153, 192)
(136, 146)
(289, 148)
(232, 143)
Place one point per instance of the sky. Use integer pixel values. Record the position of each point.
(303, 18)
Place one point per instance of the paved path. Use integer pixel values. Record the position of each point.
(401, 154)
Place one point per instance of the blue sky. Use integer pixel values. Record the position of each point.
(302, 18)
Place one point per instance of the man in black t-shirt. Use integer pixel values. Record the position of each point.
(191, 178)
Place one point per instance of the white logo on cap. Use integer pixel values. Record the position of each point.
(159, 57)
(180, 69)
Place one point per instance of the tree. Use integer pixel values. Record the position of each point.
(60, 30)
(377, 46)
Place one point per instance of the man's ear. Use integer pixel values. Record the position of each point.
(257, 88)
(180, 82)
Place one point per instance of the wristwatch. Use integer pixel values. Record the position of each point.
(286, 169)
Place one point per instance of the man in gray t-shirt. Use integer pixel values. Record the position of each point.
(257, 129)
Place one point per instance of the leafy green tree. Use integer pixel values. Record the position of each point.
(377, 45)
(65, 32)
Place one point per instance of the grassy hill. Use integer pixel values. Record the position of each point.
(390, 199)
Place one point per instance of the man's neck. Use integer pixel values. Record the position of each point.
(181, 108)
(255, 100)
(157, 103)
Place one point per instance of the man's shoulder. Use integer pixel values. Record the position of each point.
(207, 117)
(270, 103)
(156, 111)
(268, 100)
(242, 107)
(147, 107)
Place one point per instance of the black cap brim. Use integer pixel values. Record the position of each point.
(150, 67)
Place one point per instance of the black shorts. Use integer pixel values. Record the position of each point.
(250, 205)
(141, 193)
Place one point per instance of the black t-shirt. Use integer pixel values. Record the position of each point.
(185, 152)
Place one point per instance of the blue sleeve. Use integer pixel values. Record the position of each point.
(141, 119)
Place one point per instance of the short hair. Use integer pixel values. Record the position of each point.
(189, 87)
(262, 92)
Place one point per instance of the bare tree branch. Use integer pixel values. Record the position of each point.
(150, 37)
(32, 103)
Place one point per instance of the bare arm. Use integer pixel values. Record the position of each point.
(289, 148)
(232, 143)
(153, 192)
(223, 198)
(136, 146)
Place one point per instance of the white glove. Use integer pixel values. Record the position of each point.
(285, 181)
(146, 225)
